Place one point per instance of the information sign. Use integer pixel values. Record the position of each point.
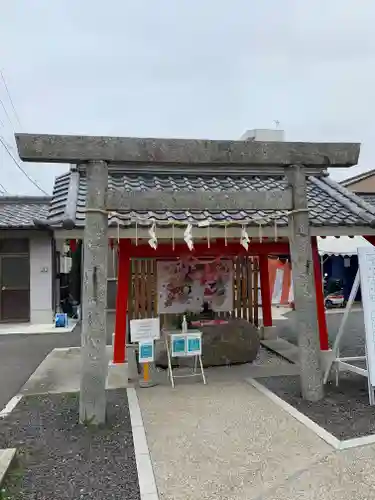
(146, 352)
(366, 261)
(194, 344)
(143, 330)
(178, 341)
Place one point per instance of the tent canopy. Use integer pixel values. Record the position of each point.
(343, 245)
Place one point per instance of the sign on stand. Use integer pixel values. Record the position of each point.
(186, 344)
(182, 345)
(145, 332)
(366, 261)
(366, 279)
(146, 352)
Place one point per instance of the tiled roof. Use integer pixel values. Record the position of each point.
(20, 212)
(330, 204)
(367, 197)
(356, 178)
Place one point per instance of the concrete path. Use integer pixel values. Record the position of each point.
(228, 441)
(60, 372)
(224, 440)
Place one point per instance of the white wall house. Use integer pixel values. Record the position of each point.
(27, 261)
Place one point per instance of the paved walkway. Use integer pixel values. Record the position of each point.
(228, 441)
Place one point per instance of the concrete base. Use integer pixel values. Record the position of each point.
(143, 384)
(61, 372)
(6, 457)
(268, 333)
(152, 377)
(131, 354)
(35, 329)
(326, 358)
(117, 375)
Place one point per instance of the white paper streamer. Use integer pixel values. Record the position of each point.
(188, 237)
(153, 241)
(260, 232)
(245, 240)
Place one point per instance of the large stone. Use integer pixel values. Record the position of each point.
(227, 344)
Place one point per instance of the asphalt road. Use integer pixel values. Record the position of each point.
(20, 355)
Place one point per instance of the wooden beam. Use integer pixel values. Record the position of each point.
(218, 248)
(77, 149)
(199, 200)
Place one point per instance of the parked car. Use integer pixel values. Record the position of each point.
(335, 299)
(333, 293)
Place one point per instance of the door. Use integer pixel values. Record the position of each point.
(14, 287)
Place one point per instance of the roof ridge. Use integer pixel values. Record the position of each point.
(332, 191)
(352, 196)
(25, 200)
(358, 177)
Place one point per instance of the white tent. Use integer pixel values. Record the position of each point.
(343, 245)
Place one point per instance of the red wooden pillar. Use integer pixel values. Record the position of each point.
(122, 301)
(322, 322)
(265, 290)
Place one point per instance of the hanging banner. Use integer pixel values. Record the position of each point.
(187, 285)
(280, 278)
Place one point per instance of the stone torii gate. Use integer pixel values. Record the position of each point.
(99, 152)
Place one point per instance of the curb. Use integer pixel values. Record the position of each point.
(310, 424)
(6, 458)
(146, 478)
(10, 406)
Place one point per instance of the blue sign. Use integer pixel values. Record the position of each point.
(61, 320)
(178, 345)
(194, 345)
(146, 352)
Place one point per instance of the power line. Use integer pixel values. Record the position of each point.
(3, 190)
(21, 168)
(6, 113)
(10, 99)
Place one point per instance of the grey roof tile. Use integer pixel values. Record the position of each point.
(18, 212)
(330, 204)
(368, 197)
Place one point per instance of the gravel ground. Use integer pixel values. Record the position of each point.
(352, 342)
(59, 459)
(344, 412)
(266, 357)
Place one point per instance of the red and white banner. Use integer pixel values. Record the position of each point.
(280, 276)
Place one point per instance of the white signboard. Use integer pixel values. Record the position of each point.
(366, 261)
(143, 330)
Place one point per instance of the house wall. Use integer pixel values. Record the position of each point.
(41, 280)
(41, 272)
(363, 186)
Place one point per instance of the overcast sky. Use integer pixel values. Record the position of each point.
(186, 68)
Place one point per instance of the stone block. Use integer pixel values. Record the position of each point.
(227, 344)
